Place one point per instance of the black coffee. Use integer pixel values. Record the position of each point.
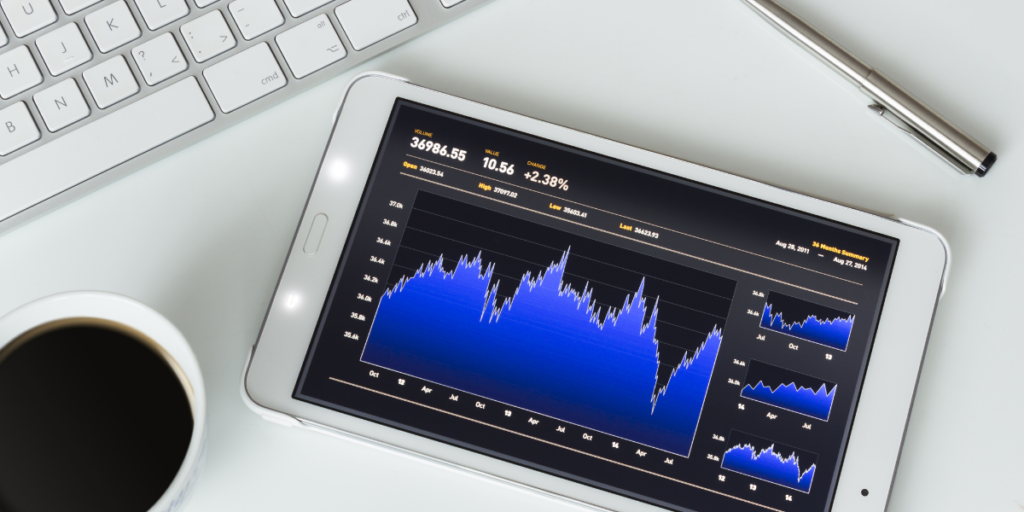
(90, 419)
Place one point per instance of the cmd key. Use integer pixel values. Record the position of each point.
(245, 77)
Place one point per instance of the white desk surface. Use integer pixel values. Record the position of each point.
(201, 236)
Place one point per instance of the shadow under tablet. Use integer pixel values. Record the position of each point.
(90, 420)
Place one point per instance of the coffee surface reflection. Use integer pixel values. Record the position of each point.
(91, 419)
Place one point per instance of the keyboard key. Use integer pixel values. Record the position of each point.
(204, 3)
(27, 16)
(449, 3)
(208, 36)
(3, 37)
(299, 7)
(113, 26)
(18, 72)
(61, 105)
(369, 21)
(159, 59)
(245, 77)
(158, 13)
(101, 145)
(73, 6)
(255, 17)
(17, 129)
(64, 49)
(111, 82)
(310, 46)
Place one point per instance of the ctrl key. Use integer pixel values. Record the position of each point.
(17, 129)
(245, 77)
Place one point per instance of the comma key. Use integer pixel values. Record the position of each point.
(245, 77)
(159, 59)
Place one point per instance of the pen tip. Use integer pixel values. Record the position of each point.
(986, 166)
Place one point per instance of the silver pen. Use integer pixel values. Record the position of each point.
(896, 105)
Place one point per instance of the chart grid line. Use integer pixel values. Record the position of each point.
(681, 253)
(552, 248)
(514, 278)
(642, 221)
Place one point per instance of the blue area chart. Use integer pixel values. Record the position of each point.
(789, 390)
(547, 348)
(814, 403)
(807, 321)
(765, 460)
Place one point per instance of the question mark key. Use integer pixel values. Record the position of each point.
(159, 59)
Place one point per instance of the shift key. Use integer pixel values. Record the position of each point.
(245, 77)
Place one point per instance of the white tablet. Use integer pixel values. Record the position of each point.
(592, 320)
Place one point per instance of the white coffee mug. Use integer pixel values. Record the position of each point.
(121, 314)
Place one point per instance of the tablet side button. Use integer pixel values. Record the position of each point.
(316, 233)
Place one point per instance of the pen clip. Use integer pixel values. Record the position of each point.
(902, 125)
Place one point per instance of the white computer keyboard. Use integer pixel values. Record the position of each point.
(93, 89)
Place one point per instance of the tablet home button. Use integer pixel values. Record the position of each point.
(316, 233)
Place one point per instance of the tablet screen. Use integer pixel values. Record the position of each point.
(613, 325)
